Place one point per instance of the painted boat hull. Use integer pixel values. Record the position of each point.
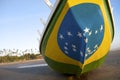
(78, 36)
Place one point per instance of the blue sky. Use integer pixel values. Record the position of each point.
(20, 20)
(116, 15)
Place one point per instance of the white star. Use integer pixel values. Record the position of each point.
(66, 52)
(66, 43)
(61, 36)
(86, 40)
(65, 48)
(69, 33)
(86, 55)
(96, 46)
(81, 53)
(86, 30)
(88, 50)
(74, 46)
(74, 50)
(79, 35)
(96, 32)
(101, 28)
(90, 33)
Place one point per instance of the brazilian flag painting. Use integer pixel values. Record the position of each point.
(78, 36)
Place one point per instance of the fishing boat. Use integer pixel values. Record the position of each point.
(78, 35)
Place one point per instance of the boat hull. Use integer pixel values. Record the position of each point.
(78, 36)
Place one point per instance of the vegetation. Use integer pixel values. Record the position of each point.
(8, 58)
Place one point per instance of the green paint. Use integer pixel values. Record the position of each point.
(69, 68)
(62, 67)
(72, 69)
(56, 15)
(51, 26)
(94, 65)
